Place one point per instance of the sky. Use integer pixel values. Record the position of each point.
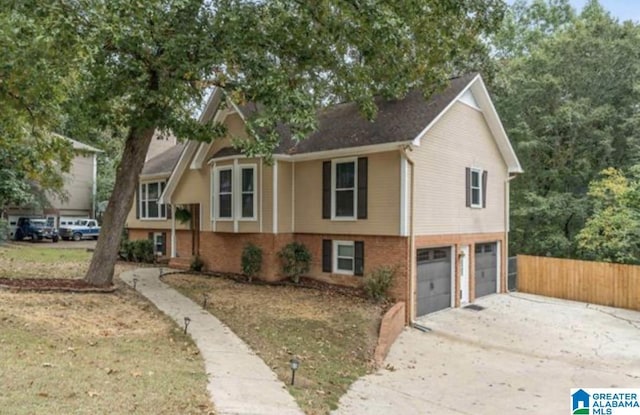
(622, 9)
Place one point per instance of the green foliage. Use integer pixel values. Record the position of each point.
(567, 95)
(138, 66)
(296, 260)
(378, 282)
(612, 232)
(140, 250)
(182, 215)
(196, 264)
(251, 260)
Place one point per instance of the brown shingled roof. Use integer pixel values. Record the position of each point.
(164, 162)
(342, 125)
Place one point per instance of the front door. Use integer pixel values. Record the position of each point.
(464, 274)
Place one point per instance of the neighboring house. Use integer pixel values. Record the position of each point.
(424, 188)
(79, 190)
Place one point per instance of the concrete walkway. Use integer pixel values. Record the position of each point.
(239, 381)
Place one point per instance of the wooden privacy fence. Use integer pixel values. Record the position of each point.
(614, 285)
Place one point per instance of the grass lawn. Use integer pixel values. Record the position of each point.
(333, 335)
(90, 353)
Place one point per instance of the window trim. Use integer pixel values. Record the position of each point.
(334, 163)
(143, 191)
(216, 193)
(335, 269)
(238, 213)
(479, 172)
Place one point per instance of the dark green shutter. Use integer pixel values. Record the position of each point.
(484, 189)
(151, 237)
(468, 186)
(362, 187)
(327, 248)
(326, 190)
(164, 244)
(169, 210)
(358, 266)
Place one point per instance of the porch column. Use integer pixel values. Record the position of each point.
(173, 232)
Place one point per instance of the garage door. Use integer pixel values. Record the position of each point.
(486, 269)
(434, 279)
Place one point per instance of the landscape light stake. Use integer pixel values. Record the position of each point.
(135, 282)
(187, 320)
(161, 271)
(295, 364)
(205, 297)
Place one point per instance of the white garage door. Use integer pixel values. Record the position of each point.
(434, 279)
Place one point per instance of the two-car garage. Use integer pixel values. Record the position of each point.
(435, 271)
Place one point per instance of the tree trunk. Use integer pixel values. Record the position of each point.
(102, 265)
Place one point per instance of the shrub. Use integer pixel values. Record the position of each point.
(138, 251)
(378, 282)
(295, 259)
(197, 264)
(251, 260)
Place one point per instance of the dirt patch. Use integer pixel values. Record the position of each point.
(332, 333)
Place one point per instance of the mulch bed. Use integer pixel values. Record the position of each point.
(53, 284)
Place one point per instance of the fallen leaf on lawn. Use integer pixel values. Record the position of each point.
(136, 374)
(46, 364)
(43, 394)
(92, 394)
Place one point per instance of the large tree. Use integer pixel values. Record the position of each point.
(146, 65)
(568, 95)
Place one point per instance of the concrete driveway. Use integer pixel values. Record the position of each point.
(521, 354)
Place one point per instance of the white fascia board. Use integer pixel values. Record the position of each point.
(417, 140)
(344, 152)
(150, 177)
(203, 149)
(497, 129)
(177, 172)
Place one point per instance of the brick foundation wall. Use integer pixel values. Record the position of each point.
(378, 251)
(223, 251)
(391, 326)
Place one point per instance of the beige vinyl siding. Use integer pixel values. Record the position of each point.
(460, 139)
(78, 185)
(284, 197)
(383, 199)
(192, 189)
(267, 198)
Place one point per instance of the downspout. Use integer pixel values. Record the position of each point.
(505, 261)
(412, 242)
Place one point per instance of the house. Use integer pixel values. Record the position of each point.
(424, 188)
(79, 190)
(580, 400)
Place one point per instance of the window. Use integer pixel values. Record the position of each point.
(225, 193)
(476, 187)
(344, 257)
(149, 206)
(344, 189)
(234, 193)
(247, 202)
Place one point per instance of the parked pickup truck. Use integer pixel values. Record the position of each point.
(81, 229)
(36, 229)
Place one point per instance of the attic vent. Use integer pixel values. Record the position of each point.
(473, 307)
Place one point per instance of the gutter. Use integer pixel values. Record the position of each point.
(412, 242)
